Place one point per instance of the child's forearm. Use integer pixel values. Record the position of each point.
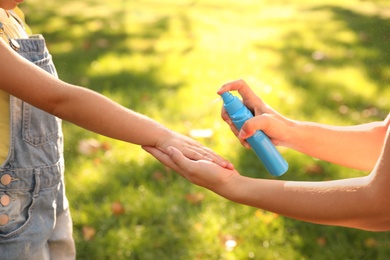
(92, 110)
(103, 116)
(356, 146)
(78, 105)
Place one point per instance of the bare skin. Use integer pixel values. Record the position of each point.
(356, 202)
(89, 109)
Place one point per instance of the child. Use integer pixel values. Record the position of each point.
(34, 215)
(357, 202)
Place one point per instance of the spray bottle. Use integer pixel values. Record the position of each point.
(260, 143)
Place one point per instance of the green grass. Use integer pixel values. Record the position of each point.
(324, 61)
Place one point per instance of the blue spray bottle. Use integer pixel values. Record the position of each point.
(260, 143)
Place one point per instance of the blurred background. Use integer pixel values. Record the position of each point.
(324, 61)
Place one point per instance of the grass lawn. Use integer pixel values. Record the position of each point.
(324, 61)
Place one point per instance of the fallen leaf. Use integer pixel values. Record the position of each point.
(117, 208)
(92, 146)
(88, 233)
(195, 198)
(158, 176)
(370, 242)
(321, 241)
(105, 146)
(89, 146)
(314, 169)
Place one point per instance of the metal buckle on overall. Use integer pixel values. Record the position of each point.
(14, 44)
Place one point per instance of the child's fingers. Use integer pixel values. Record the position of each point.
(200, 152)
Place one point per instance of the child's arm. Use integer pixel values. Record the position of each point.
(353, 146)
(89, 109)
(357, 202)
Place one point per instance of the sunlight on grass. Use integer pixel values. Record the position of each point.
(112, 64)
(325, 61)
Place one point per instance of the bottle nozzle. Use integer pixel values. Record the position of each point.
(227, 97)
(231, 103)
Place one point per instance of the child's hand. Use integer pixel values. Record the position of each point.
(200, 172)
(265, 118)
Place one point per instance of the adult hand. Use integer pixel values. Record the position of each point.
(200, 172)
(265, 118)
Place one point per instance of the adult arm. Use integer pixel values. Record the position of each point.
(353, 146)
(356, 202)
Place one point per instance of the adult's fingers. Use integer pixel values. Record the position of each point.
(161, 156)
(239, 85)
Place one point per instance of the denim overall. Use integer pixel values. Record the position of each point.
(35, 222)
